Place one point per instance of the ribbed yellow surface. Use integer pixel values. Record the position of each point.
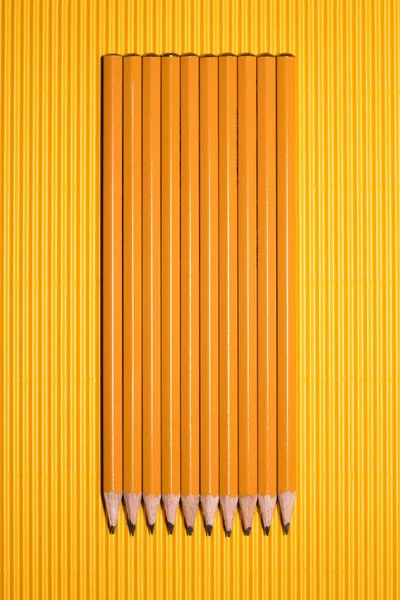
(344, 539)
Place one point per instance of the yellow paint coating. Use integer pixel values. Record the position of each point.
(344, 538)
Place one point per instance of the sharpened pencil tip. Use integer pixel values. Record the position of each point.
(266, 530)
(151, 528)
(112, 529)
(286, 528)
(247, 531)
(170, 527)
(189, 530)
(228, 533)
(132, 528)
(209, 529)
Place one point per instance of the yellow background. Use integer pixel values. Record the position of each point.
(344, 540)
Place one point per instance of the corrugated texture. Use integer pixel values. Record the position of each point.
(344, 539)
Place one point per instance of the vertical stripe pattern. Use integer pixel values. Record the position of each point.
(344, 538)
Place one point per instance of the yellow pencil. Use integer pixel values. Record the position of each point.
(132, 287)
(151, 260)
(190, 430)
(247, 286)
(286, 288)
(266, 277)
(112, 287)
(228, 371)
(170, 286)
(209, 450)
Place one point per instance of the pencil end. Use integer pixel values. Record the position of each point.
(209, 505)
(151, 528)
(228, 533)
(266, 505)
(112, 529)
(151, 505)
(189, 530)
(247, 505)
(132, 528)
(112, 501)
(170, 527)
(228, 506)
(132, 505)
(209, 529)
(286, 503)
(190, 504)
(171, 505)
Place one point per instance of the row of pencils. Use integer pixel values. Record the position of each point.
(198, 287)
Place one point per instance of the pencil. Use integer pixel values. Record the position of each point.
(209, 459)
(151, 294)
(132, 286)
(190, 446)
(247, 286)
(228, 392)
(286, 286)
(170, 286)
(112, 287)
(266, 289)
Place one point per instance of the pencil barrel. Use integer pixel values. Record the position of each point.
(286, 274)
(151, 261)
(266, 274)
(247, 274)
(190, 371)
(132, 273)
(228, 280)
(170, 273)
(209, 405)
(112, 274)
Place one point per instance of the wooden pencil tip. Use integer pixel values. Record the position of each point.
(209, 529)
(266, 530)
(228, 533)
(132, 528)
(209, 505)
(112, 529)
(286, 528)
(190, 505)
(228, 505)
(170, 527)
(132, 505)
(247, 505)
(151, 528)
(286, 503)
(112, 501)
(189, 530)
(247, 531)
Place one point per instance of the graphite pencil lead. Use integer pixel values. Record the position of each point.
(209, 529)
(228, 533)
(151, 528)
(286, 528)
(266, 530)
(247, 531)
(112, 529)
(170, 527)
(189, 530)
